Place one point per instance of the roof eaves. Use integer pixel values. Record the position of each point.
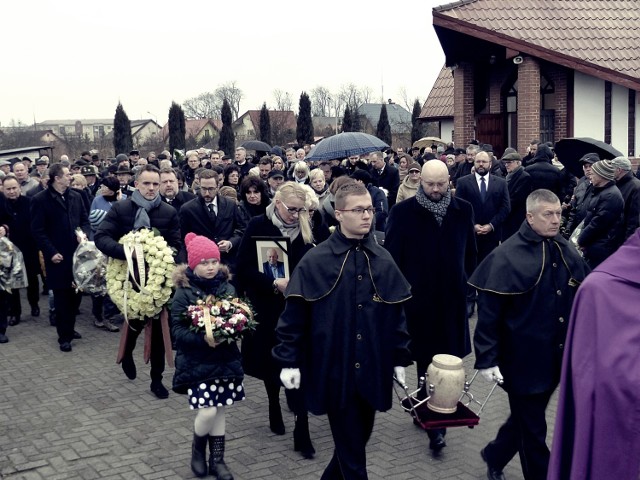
(451, 23)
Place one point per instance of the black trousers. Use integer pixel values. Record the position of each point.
(157, 346)
(351, 429)
(524, 432)
(33, 293)
(4, 308)
(66, 302)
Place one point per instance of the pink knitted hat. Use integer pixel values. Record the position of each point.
(200, 248)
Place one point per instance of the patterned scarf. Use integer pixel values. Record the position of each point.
(438, 209)
(291, 230)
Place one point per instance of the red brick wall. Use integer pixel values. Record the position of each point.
(558, 76)
(528, 103)
(464, 119)
(495, 91)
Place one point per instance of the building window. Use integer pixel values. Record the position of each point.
(63, 130)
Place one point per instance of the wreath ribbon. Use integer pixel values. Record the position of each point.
(129, 248)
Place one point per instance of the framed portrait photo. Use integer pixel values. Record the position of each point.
(273, 256)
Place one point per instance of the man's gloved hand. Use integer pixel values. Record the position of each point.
(290, 378)
(399, 373)
(491, 374)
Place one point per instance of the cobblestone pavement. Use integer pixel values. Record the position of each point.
(76, 416)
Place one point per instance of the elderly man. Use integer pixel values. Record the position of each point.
(274, 180)
(519, 186)
(56, 215)
(444, 226)
(169, 190)
(242, 163)
(629, 187)
(386, 178)
(581, 194)
(22, 175)
(603, 223)
(144, 209)
(525, 291)
(273, 268)
(465, 166)
(330, 308)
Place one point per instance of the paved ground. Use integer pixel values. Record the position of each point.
(76, 416)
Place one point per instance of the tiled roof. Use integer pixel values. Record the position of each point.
(439, 103)
(194, 126)
(600, 34)
(399, 117)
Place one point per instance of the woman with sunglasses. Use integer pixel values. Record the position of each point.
(286, 216)
(409, 185)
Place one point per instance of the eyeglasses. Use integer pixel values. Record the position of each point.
(292, 210)
(208, 189)
(361, 211)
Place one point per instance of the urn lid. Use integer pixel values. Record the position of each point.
(447, 362)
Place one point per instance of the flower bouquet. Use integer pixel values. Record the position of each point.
(221, 319)
(141, 286)
(13, 272)
(89, 269)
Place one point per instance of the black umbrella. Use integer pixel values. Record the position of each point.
(571, 150)
(256, 145)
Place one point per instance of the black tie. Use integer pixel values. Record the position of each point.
(211, 210)
(483, 188)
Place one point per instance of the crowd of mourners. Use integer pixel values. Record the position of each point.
(465, 206)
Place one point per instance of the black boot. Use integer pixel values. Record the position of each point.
(217, 467)
(276, 423)
(301, 440)
(199, 455)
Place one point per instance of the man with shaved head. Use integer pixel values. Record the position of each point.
(437, 269)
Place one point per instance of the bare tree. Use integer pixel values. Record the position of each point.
(283, 100)
(321, 102)
(232, 94)
(205, 105)
(366, 93)
(404, 98)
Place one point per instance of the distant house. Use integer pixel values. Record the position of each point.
(524, 70)
(325, 126)
(95, 130)
(399, 120)
(283, 126)
(198, 131)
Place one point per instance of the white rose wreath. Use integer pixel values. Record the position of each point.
(141, 293)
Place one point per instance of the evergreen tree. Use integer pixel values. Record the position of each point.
(304, 130)
(416, 130)
(347, 121)
(122, 139)
(265, 125)
(177, 128)
(383, 130)
(227, 142)
(356, 124)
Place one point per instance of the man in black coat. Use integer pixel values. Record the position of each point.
(144, 209)
(345, 297)
(16, 215)
(629, 187)
(519, 186)
(170, 191)
(442, 226)
(213, 216)
(544, 174)
(386, 178)
(526, 288)
(56, 215)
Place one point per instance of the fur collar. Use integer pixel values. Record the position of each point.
(180, 279)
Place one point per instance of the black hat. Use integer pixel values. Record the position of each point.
(487, 147)
(459, 151)
(88, 170)
(134, 152)
(590, 158)
(111, 183)
(80, 163)
(276, 173)
(361, 174)
(86, 152)
(123, 169)
(26, 159)
(41, 161)
(95, 157)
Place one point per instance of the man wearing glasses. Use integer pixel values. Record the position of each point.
(343, 331)
(438, 277)
(213, 216)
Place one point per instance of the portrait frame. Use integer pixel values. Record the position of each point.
(282, 246)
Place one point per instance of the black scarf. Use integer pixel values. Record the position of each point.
(438, 209)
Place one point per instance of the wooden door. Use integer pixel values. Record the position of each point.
(491, 128)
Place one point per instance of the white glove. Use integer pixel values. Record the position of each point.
(290, 378)
(491, 374)
(399, 373)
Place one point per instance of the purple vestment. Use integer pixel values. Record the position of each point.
(597, 433)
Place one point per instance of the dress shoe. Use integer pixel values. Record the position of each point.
(35, 311)
(276, 424)
(157, 388)
(65, 347)
(301, 439)
(52, 318)
(14, 321)
(437, 443)
(3, 338)
(76, 335)
(129, 367)
(492, 472)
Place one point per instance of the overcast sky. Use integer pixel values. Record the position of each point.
(75, 59)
